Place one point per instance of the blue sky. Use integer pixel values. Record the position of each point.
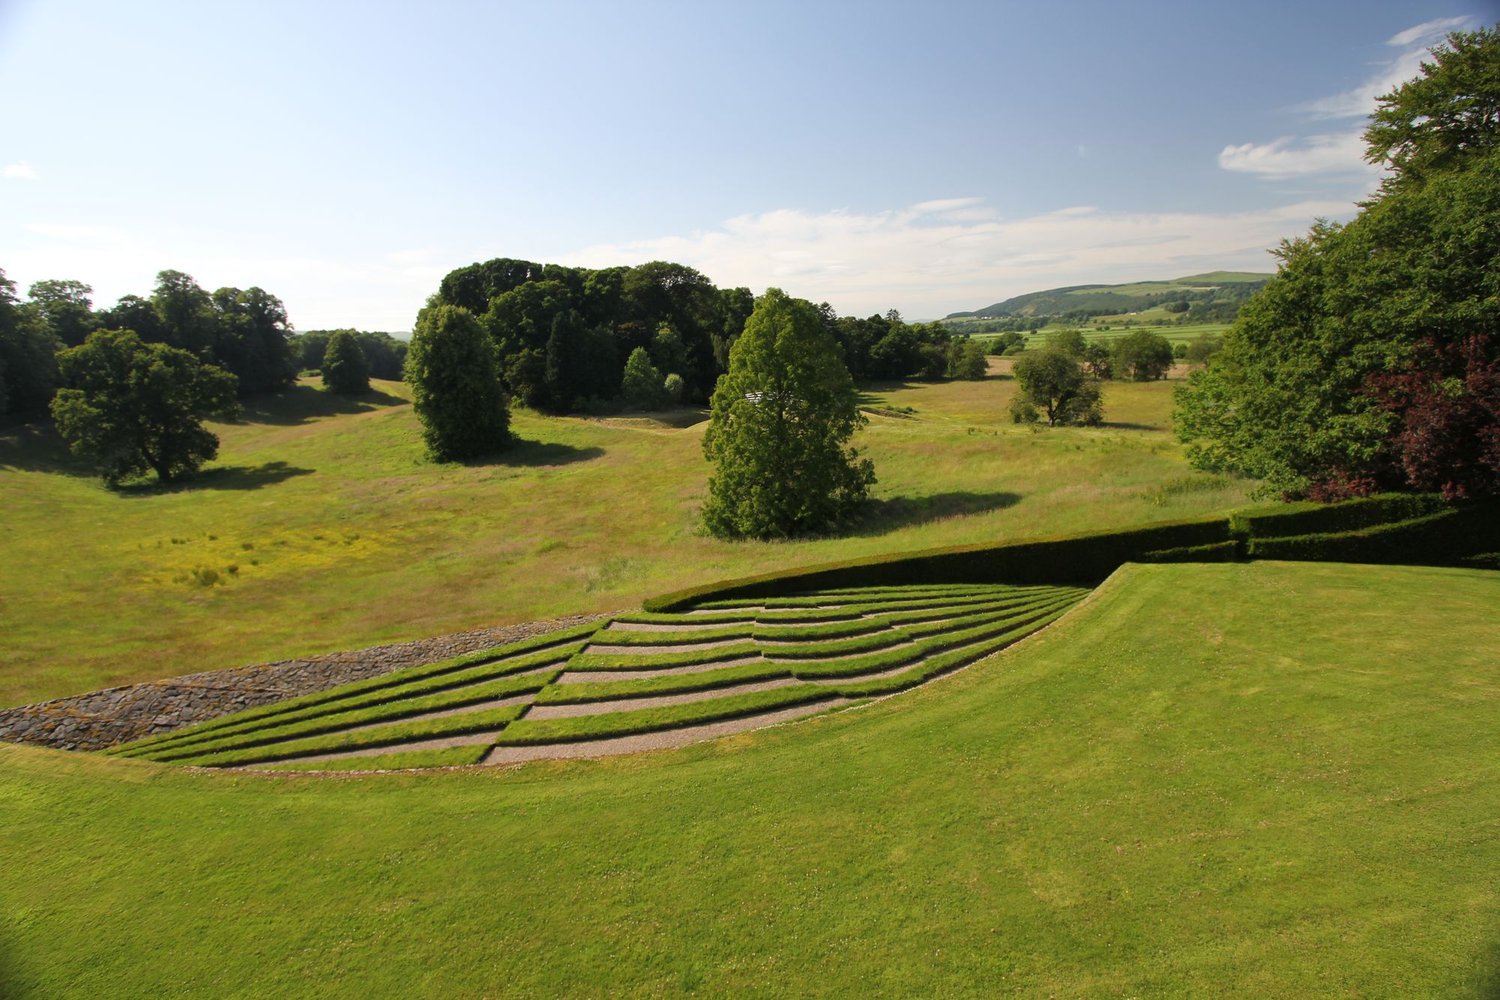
(925, 157)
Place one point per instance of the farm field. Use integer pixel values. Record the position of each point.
(322, 527)
(1262, 779)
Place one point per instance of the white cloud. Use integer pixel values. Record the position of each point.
(929, 265)
(1429, 31)
(21, 171)
(1341, 153)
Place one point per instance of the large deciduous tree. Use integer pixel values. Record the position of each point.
(779, 432)
(345, 368)
(1142, 356)
(132, 407)
(1366, 359)
(1054, 381)
(28, 356)
(455, 386)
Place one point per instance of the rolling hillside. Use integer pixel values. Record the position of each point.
(1215, 286)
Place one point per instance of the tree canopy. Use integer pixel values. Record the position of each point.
(1053, 381)
(132, 407)
(345, 369)
(1375, 340)
(455, 386)
(779, 431)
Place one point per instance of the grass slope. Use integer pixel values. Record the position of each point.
(327, 529)
(1265, 780)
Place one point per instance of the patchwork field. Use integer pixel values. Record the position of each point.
(322, 527)
(1259, 779)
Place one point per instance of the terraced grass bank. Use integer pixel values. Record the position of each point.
(1258, 779)
(644, 680)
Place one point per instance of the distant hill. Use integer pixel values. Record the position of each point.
(1098, 300)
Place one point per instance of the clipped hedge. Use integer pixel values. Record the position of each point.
(1451, 537)
(1076, 559)
(1287, 520)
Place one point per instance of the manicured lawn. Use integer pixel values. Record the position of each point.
(322, 527)
(1267, 780)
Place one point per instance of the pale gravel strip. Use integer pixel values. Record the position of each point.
(590, 676)
(568, 711)
(771, 658)
(661, 740)
(681, 647)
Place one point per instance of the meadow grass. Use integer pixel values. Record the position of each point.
(1265, 779)
(327, 529)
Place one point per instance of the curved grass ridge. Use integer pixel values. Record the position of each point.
(805, 650)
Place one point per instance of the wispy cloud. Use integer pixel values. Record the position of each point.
(929, 264)
(1289, 157)
(21, 171)
(1341, 153)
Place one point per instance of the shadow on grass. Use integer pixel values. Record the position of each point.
(1121, 425)
(536, 454)
(882, 516)
(223, 477)
(37, 447)
(302, 403)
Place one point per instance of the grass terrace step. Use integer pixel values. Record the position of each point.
(944, 662)
(400, 760)
(348, 698)
(922, 648)
(906, 633)
(468, 723)
(673, 637)
(536, 644)
(476, 694)
(566, 694)
(651, 661)
(592, 727)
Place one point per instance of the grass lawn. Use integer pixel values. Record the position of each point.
(1268, 780)
(322, 527)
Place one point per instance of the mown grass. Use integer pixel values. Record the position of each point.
(1266, 780)
(325, 528)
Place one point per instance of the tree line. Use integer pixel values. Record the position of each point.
(1371, 361)
(571, 339)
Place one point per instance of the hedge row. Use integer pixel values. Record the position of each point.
(1287, 520)
(394, 734)
(1077, 559)
(476, 694)
(1454, 536)
(528, 732)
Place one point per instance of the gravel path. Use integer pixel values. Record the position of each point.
(588, 676)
